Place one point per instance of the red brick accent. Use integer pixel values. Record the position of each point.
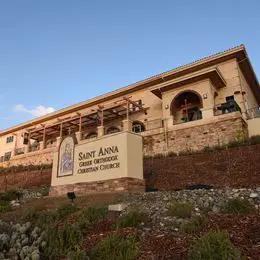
(106, 186)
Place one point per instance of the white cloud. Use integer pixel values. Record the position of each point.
(37, 111)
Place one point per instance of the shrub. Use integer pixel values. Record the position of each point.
(193, 226)
(238, 205)
(46, 218)
(132, 219)
(214, 246)
(4, 206)
(44, 191)
(255, 139)
(114, 247)
(32, 214)
(66, 209)
(91, 215)
(78, 255)
(8, 196)
(62, 240)
(180, 209)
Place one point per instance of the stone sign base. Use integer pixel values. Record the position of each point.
(125, 184)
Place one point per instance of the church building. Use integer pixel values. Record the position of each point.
(209, 102)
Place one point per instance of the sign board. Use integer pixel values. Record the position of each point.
(109, 157)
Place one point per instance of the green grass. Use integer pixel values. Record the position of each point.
(91, 215)
(66, 209)
(180, 209)
(238, 206)
(62, 240)
(193, 226)
(115, 247)
(132, 219)
(214, 246)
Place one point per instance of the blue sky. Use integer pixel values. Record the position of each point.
(55, 53)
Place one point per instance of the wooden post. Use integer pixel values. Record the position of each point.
(44, 136)
(80, 123)
(29, 141)
(102, 117)
(127, 109)
(61, 130)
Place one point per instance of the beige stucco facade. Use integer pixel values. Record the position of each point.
(194, 95)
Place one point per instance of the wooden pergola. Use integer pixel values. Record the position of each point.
(95, 117)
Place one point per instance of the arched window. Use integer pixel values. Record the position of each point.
(186, 106)
(138, 127)
(90, 135)
(112, 130)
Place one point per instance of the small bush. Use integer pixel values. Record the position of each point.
(193, 226)
(5, 206)
(114, 247)
(214, 246)
(91, 215)
(132, 219)
(78, 255)
(32, 214)
(237, 143)
(8, 196)
(65, 210)
(45, 218)
(172, 154)
(180, 209)
(62, 240)
(238, 205)
(44, 191)
(255, 139)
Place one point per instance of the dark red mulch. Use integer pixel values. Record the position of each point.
(244, 231)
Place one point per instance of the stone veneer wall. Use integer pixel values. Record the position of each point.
(33, 158)
(115, 185)
(195, 138)
(25, 180)
(237, 167)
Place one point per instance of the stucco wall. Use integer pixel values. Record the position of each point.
(254, 126)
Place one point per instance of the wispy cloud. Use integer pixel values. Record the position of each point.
(37, 111)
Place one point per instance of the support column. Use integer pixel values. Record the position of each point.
(42, 145)
(127, 125)
(100, 130)
(58, 141)
(78, 135)
(27, 148)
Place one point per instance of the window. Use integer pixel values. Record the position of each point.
(10, 139)
(137, 107)
(7, 156)
(26, 138)
(138, 127)
(230, 98)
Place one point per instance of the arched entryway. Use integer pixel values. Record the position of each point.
(186, 107)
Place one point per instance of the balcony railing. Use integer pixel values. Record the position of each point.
(19, 151)
(253, 112)
(225, 108)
